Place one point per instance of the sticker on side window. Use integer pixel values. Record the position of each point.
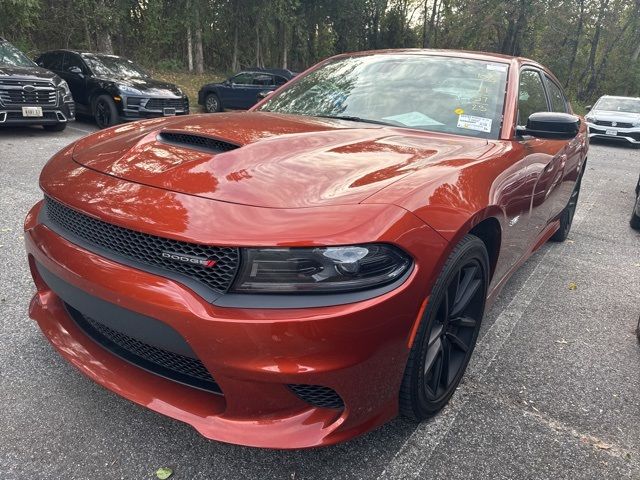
(497, 67)
(471, 122)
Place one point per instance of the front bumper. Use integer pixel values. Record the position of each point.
(51, 115)
(631, 135)
(358, 350)
(134, 107)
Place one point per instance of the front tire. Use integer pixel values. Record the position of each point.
(105, 112)
(635, 219)
(212, 103)
(566, 217)
(56, 127)
(448, 331)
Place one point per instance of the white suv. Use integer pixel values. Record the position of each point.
(616, 118)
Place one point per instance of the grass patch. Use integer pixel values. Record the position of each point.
(190, 83)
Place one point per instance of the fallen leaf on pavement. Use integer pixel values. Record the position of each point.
(164, 473)
(573, 286)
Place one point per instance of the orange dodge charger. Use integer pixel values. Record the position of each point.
(301, 273)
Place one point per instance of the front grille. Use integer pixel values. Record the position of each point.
(158, 104)
(12, 93)
(147, 250)
(620, 136)
(606, 123)
(318, 396)
(199, 141)
(186, 370)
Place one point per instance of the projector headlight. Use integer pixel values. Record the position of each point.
(320, 269)
(127, 90)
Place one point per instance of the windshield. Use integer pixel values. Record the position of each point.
(10, 55)
(112, 66)
(629, 105)
(439, 94)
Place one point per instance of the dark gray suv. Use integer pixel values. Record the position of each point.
(31, 95)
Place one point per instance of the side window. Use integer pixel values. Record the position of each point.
(557, 98)
(263, 80)
(531, 96)
(280, 80)
(242, 79)
(74, 61)
(53, 61)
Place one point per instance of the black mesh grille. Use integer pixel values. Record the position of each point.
(318, 396)
(170, 365)
(147, 249)
(607, 123)
(160, 103)
(199, 141)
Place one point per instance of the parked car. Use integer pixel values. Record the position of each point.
(112, 89)
(635, 215)
(298, 274)
(615, 118)
(30, 95)
(243, 90)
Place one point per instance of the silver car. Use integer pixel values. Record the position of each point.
(615, 118)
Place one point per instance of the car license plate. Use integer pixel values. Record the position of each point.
(167, 112)
(31, 111)
(611, 132)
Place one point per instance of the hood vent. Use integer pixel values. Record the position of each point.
(197, 142)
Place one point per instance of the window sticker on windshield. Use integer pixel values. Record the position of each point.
(471, 122)
(413, 119)
(497, 68)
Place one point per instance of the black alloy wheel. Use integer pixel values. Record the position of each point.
(105, 111)
(448, 332)
(212, 103)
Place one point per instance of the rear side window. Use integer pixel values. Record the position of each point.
(280, 80)
(264, 80)
(531, 96)
(74, 61)
(53, 61)
(556, 97)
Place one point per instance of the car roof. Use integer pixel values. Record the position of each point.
(282, 72)
(81, 52)
(486, 56)
(620, 96)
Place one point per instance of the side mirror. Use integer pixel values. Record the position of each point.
(226, 83)
(588, 108)
(75, 70)
(264, 94)
(560, 126)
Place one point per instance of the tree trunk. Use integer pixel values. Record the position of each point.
(574, 44)
(258, 56)
(425, 14)
(189, 49)
(105, 45)
(234, 60)
(285, 48)
(595, 43)
(199, 52)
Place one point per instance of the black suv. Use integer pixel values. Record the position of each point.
(30, 95)
(113, 89)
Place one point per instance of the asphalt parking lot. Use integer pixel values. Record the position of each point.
(553, 390)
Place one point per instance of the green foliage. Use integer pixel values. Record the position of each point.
(592, 45)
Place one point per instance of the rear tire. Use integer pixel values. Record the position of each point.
(56, 127)
(635, 219)
(212, 103)
(448, 331)
(105, 112)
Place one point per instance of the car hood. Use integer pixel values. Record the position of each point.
(26, 73)
(612, 116)
(277, 161)
(148, 86)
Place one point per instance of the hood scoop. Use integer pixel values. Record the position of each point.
(197, 142)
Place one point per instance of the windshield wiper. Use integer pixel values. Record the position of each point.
(356, 119)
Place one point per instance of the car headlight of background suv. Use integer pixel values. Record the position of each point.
(64, 89)
(590, 119)
(320, 269)
(127, 90)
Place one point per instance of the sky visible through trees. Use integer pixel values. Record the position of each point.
(593, 46)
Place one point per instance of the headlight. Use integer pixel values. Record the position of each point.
(321, 269)
(126, 89)
(590, 119)
(64, 90)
